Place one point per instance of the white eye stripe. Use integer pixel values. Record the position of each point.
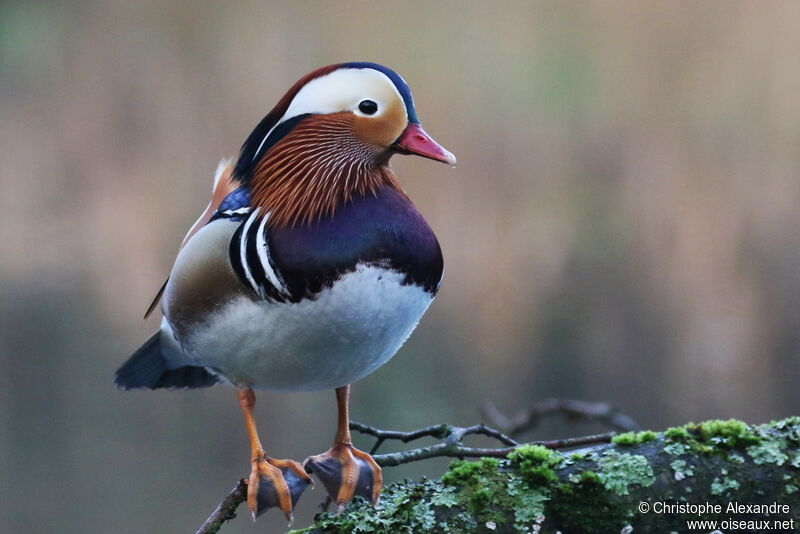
(341, 90)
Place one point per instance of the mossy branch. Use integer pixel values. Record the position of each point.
(534, 487)
(452, 441)
(600, 489)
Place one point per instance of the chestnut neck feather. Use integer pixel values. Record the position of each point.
(318, 166)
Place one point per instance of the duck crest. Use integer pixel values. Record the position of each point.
(254, 145)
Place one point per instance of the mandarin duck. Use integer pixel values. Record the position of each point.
(308, 270)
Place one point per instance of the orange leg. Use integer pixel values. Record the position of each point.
(344, 479)
(263, 465)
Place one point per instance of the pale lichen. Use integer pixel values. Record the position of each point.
(681, 469)
(769, 451)
(720, 486)
(736, 458)
(677, 448)
(620, 471)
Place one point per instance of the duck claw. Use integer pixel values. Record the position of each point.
(347, 472)
(289, 479)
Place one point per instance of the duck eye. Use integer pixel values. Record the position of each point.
(368, 107)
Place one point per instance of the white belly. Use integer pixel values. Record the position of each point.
(347, 332)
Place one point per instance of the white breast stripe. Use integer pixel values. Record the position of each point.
(243, 254)
(238, 211)
(263, 255)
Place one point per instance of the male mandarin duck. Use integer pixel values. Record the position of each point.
(308, 270)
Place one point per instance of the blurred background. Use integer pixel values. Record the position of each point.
(622, 226)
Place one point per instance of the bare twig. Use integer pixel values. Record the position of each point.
(453, 449)
(442, 431)
(452, 446)
(573, 410)
(226, 509)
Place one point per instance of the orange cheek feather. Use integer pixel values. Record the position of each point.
(382, 131)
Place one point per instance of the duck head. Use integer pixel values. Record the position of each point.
(330, 139)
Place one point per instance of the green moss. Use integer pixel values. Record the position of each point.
(679, 433)
(619, 471)
(715, 436)
(578, 456)
(536, 463)
(634, 438)
(590, 477)
(481, 488)
(534, 453)
(731, 433)
(465, 473)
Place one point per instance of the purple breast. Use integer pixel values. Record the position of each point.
(385, 229)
